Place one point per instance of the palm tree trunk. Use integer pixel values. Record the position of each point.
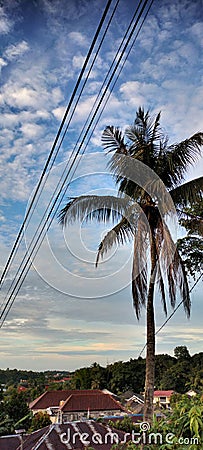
(150, 357)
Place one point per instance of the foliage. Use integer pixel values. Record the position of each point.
(181, 353)
(122, 376)
(170, 373)
(14, 410)
(191, 246)
(39, 420)
(192, 218)
(191, 249)
(93, 377)
(141, 216)
(126, 424)
(182, 427)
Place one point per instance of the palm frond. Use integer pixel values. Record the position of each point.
(101, 208)
(160, 281)
(188, 193)
(159, 238)
(112, 140)
(173, 267)
(156, 134)
(139, 270)
(183, 154)
(122, 233)
(144, 133)
(128, 169)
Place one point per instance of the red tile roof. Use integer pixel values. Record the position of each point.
(92, 402)
(163, 393)
(100, 437)
(53, 398)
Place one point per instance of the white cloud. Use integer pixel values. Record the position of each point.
(59, 112)
(83, 109)
(163, 72)
(14, 51)
(19, 97)
(31, 130)
(196, 30)
(5, 23)
(78, 61)
(78, 38)
(131, 93)
(3, 63)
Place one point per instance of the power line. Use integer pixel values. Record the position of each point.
(13, 251)
(61, 141)
(172, 314)
(28, 267)
(115, 81)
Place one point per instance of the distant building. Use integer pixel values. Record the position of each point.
(162, 398)
(88, 405)
(191, 393)
(133, 401)
(63, 406)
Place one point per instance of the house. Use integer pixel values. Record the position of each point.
(106, 391)
(49, 402)
(162, 398)
(71, 436)
(71, 405)
(133, 401)
(191, 393)
(79, 406)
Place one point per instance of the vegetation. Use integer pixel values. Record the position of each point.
(180, 428)
(180, 372)
(143, 202)
(13, 409)
(191, 246)
(39, 420)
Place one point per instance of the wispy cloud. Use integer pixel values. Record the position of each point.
(15, 51)
(78, 38)
(43, 49)
(5, 22)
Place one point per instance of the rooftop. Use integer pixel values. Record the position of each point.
(72, 436)
(163, 393)
(53, 398)
(90, 401)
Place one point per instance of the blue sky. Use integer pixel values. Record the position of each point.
(68, 314)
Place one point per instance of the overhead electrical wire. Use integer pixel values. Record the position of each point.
(27, 266)
(52, 163)
(46, 230)
(112, 87)
(15, 246)
(172, 314)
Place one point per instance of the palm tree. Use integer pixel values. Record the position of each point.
(145, 198)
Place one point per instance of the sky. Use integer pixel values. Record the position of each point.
(68, 314)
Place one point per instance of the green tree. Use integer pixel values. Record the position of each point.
(182, 427)
(182, 353)
(39, 420)
(14, 411)
(15, 405)
(143, 203)
(162, 364)
(191, 246)
(177, 377)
